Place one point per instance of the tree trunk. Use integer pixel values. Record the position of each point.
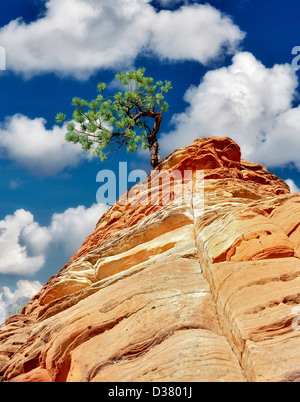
(154, 153)
(153, 142)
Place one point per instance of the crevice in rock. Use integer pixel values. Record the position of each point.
(130, 355)
(278, 328)
(71, 300)
(62, 368)
(135, 353)
(260, 282)
(293, 230)
(203, 271)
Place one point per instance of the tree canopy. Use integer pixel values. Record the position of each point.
(131, 117)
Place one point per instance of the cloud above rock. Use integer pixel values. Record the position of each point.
(24, 290)
(248, 102)
(79, 37)
(14, 258)
(24, 244)
(42, 151)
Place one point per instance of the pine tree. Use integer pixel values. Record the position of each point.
(107, 123)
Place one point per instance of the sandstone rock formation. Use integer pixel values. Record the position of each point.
(206, 288)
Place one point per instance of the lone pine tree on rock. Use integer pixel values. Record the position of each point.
(131, 117)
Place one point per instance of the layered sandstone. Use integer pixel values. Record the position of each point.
(203, 288)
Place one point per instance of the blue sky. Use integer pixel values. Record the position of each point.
(230, 63)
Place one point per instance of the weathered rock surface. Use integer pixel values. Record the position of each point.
(205, 288)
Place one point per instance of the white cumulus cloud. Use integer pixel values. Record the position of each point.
(197, 33)
(14, 257)
(293, 186)
(40, 150)
(248, 102)
(24, 289)
(71, 227)
(78, 37)
(24, 243)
